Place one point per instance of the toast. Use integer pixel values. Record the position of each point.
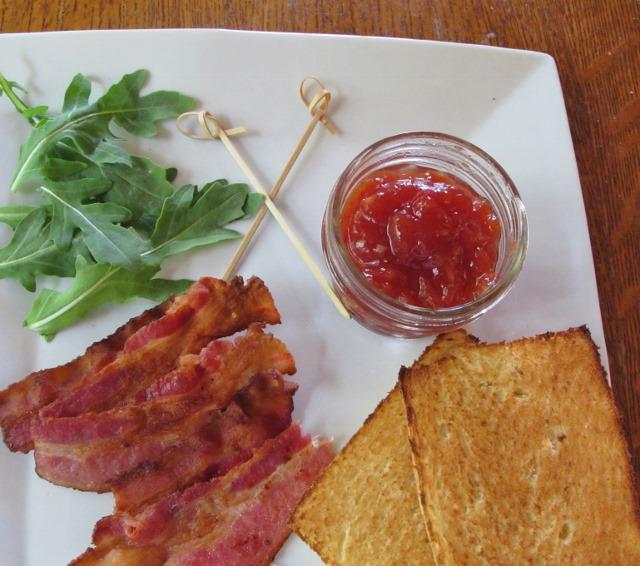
(521, 456)
(364, 510)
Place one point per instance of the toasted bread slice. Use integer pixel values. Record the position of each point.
(364, 510)
(521, 456)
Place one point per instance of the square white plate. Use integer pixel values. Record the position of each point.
(507, 102)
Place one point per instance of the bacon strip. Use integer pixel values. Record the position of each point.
(254, 537)
(210, 309)
(241, 518)
(20, 402)
(258, 413)
(147, 346)
(92, 451)
(198, 448)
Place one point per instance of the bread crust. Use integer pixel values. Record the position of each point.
(320, 501)
(594, 379)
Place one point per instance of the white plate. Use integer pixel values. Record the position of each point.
(507, 102)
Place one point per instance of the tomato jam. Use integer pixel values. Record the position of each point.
(421, 236)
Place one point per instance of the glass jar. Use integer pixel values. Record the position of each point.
(387, 315)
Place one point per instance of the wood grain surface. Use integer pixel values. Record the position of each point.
(596, 44)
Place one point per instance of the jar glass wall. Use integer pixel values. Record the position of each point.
(455, 157)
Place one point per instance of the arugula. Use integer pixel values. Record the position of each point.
(13, 214)
(107, 240)
(135, 182)
(108, 218)
(142, 187)
(33, 115)
(87, 125)
(179, 229)
(95, 285)
(31, 251)
(191, 218)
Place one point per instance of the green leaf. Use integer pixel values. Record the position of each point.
(71, 194)
(171, 174)
(110, 152)
(138, 115)
(13, 214)
(15, 86)
(38, 112)
(95, 285)
(77, 93)
(253, 204)
(57, 169)
(35, 116)
(142, 188)
(31, 251)
(85, 125)
(85, 129)
(106, 208)
(141, 185)
(107, 241)
(192, 218)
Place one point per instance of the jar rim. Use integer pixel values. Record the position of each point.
(490, 296)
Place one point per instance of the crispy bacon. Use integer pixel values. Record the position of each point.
(95, 379)
(241, 518)
(190, 431)
(258, 413)
(177, 315)
(197, 380)
(254, 537)
(20, 402)
(91, 451)
(227, 309)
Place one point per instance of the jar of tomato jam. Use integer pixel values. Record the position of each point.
(423, 233)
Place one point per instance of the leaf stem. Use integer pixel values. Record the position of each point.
(17, 102)
(42, 322)
(50, 135)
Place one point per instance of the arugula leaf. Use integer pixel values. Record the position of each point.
(34, 115)
(110, 152)
(142, 188)
(110, 218)
(253, 204)
(56, 168)
(31, 251)
(107, 241)
(13, 214)
(192, 218)
(63, 224)
(95, 285)
(138, 115)
(186, 222)
(139, 185)
(87, 125)
(77, 93)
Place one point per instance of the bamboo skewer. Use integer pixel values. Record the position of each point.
(213, 130)
(317, 108)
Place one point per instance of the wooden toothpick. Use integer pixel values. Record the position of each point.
(212, 129)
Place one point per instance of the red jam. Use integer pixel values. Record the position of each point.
(421, 236)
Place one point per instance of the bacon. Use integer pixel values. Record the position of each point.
(241, 518)
(20, 402)
(258, 413)
(195, 381)
(166, 521)
(254, 537)
(91, 451)
(94, 380)
(192, 432)
(176, 316)
(228, 308)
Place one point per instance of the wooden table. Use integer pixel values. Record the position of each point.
(596, 44)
